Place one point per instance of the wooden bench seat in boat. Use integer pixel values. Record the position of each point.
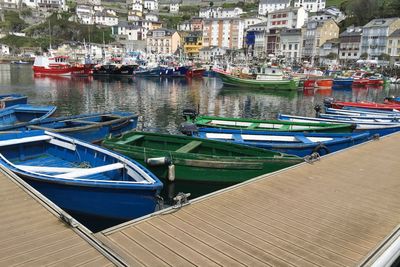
(18, 141)
(130, 139)
(189, 147)
(303, 139)
(90, 171)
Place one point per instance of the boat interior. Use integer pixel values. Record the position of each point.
(18, 114)
(48, 156)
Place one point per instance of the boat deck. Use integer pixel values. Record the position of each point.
(338, 211)
(32, 234)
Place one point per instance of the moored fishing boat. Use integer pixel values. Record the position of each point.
(8, 100)
(362, 113)
(195, 72)
(359, 118)
(87, 127)
(266, 78)
(58, 66)
(80, 177)
(258, 125)
(380, 128)
(17, 114)
(343, 81)
(369, 105)
(197, 160)
(296, 143)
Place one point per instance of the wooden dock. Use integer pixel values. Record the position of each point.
(343, 210)
(32, 233)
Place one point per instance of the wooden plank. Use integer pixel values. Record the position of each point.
(189, 147)
(333, 212)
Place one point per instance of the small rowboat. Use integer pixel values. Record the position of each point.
(355, 119)
(80, 177)
(300, 144)
(88, 127)
(8, 100)
(17, 114)
(258, 125)
(192, 159)
(362, 112)
(369, 105)
(380, 128)
(195, 72)
(323, 83)
(343, 82)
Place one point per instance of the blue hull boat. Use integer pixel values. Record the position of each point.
(88, 127)
(394, 112)
(152, 72)
(8, 100)
(363, 113)
(300, 144)
(17, 114)
(343, 82)
(356, 119)
(80, 177)
(374, 128)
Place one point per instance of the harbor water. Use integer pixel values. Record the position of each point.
(159, 102)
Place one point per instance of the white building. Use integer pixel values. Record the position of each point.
(137, 6)
(227, 32)
(184, 26)
(209, 54)
(4, 49)
(310, 5)
(46, 4)
(174, 6)
(9, 4)
(85, 14)
(105, 18)
(150, 4)
(248, 22)
(133, 16)
(151, 17)
(266, 6)
(350, 41)
(330, 47)
(219, 12)
(290, 17)
(291, 44)
(129, 32)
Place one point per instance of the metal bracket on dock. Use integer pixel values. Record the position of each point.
(66, 218)
(312, 158)
(181, 199)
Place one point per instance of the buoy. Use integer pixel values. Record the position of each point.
(171, 172)
(158, 161)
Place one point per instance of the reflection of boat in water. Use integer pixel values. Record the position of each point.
(111, 79)
(233, 90)
(20, 62)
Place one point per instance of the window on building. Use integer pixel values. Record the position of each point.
(295, 46)
(290, 46)
(349, 54)
(274, 16)
(343, 54)
(284, 47)
(389, 50)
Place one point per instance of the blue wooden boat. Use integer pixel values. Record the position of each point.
(17, 114)
(392, 111)
(80, 177)
(363, 113)
(374, 128)
(295, 143)
(88, 127)
(148, 72)
(359, 118)
(8, 100)
(343, 82)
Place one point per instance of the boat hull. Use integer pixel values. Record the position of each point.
(343, 82)
(298, 144)
(15, 115)
(195, 73)
(231, 80)
(202, 167)
(114, 195)
(115, 70)
(8, 100)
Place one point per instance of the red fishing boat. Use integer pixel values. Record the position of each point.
(195, 72)
(59, 66)
(309, 83)
(360, 78)
(323, 83)
(369, 105)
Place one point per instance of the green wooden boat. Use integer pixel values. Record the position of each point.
(261, 125)
(184, 158)
(273, 81)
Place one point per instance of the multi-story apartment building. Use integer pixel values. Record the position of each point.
(162, 41)
(394, 46)
(317, 33)
(106, 17)
(219, 12)
(267, 6)
(9, 4)
(248, 22)
(85, 14)
(46, 4)
(151, 16)
(150, 4)
(227, 32)
(174, 6)
(211, 53)
(291, 44)
(193, 42)
(350, 42)
(290, 17)
(330, 47)
(137, 7)
(310, 5)
(374, 40)
(128, 31)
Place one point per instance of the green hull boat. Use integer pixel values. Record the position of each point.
(284, 84)
(260, 125)
(173, 157)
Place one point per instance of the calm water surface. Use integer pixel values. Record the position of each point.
(160, 102)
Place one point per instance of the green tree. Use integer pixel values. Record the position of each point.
(332, 56)
(211, 4)
(364, 56)
(384, 57)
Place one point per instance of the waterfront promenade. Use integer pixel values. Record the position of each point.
(335, 212)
